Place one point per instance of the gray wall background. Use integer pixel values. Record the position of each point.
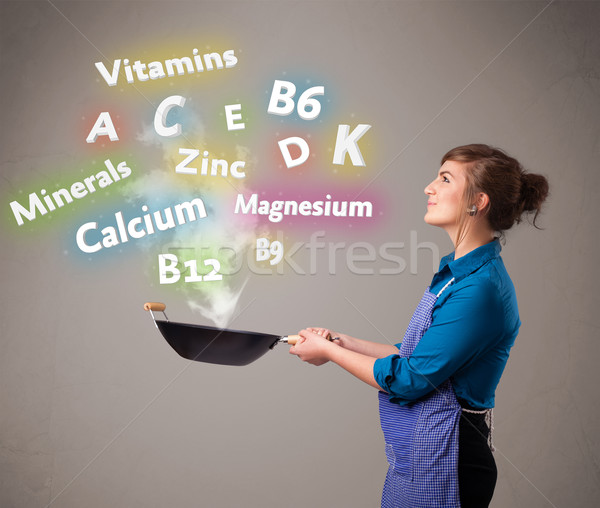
(96, 410)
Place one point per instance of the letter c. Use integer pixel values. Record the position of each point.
(81, 238)
(161, 115)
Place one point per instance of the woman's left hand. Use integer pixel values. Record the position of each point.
(312, 348)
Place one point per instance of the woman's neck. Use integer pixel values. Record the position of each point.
(472, 240)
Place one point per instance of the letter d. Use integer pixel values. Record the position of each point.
(299, 142)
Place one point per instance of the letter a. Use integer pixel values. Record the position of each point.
(103, 127)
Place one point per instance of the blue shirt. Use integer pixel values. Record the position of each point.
(474, 324)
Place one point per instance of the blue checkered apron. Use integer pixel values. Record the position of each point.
(421, 439)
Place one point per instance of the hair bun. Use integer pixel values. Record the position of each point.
(534, 191)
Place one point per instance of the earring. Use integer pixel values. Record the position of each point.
(472, 211)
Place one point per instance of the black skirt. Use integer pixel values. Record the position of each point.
(477, 471)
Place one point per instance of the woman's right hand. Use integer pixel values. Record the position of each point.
(323, 332)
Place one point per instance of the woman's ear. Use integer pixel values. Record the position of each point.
(482, 202)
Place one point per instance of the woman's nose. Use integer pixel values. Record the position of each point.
(429, 189)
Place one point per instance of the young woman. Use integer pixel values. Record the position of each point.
(437, 386)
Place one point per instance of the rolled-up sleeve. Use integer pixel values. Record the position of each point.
(465, 326)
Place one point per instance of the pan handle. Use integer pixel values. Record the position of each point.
(156, 307)
(290, 339)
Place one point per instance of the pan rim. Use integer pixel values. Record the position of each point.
(217, 329)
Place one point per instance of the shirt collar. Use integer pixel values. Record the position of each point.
(470, 262)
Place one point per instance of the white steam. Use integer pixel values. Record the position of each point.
(216, 301)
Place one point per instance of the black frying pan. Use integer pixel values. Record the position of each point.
(215, 345)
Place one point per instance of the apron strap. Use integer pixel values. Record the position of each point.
(444, 288)
(489, 420)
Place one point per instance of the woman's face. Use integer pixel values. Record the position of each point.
(444, 207)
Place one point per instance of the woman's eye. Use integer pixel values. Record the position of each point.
(444, 179)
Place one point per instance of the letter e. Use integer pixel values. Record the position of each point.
(231, 117)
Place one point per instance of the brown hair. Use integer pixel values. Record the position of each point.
(513, 191)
